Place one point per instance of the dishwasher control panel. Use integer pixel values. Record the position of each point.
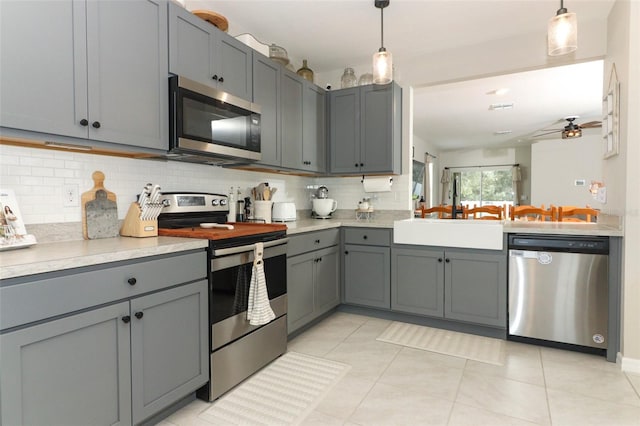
(569, 244)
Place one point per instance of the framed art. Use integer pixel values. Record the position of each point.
(611, 116)
(13, 234)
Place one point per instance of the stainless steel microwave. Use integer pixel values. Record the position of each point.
(210, 126)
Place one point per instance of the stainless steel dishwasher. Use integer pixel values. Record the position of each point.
(558, 289)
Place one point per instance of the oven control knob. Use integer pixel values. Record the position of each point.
(166, 203)
(214, 202)
(223, 202)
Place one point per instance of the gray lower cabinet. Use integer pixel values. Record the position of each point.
(365, 129)
(71, 371)
(112, 363)
(106, 70)
(201, 52)
(463, 285)
(367, 267)
(313, 277)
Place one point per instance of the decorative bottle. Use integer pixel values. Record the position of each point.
(348, 78)
(305, 72)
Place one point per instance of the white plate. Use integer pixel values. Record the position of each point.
(216, 225)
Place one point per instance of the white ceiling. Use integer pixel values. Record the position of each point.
(335, 33)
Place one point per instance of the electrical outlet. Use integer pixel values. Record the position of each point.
(71, 197)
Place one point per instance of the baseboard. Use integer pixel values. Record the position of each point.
(630, 365)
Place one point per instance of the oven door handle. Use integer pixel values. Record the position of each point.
(248, 247)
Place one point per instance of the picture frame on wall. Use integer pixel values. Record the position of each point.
(611, 116)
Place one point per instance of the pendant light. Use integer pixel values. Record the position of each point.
(382, 60)
(562, 32)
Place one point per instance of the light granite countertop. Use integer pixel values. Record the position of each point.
(59, 255)
(55, 256)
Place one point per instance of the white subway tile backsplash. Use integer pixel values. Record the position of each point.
(37, 177)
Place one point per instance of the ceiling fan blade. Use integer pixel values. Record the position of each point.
(547, 133)
(591, 124)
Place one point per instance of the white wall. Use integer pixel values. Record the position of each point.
(557, 163)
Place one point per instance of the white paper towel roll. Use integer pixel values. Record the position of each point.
(377, 184)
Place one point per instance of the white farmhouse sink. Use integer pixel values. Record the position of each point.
(478, 234)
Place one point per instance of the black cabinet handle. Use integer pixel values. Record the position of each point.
(356, 165)
(215, 77)
(221, 80)
(346, 252)
(440, 259)
(447, 260)
(139, 314)
(132, 281)
(364, 237)
(84, 122)
(361, 164)
(317, 241)
(126, 319)
(96, 124)
(320, 260)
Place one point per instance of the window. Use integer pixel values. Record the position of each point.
(484, 186)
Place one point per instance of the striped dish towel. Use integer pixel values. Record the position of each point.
(259, 310)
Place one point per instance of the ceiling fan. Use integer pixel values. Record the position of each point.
(571, 130)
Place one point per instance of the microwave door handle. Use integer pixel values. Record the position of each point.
(247, 248)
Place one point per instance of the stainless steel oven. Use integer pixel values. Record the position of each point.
(237, 348)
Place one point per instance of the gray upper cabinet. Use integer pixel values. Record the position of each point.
(314, 126)
(201, 52)
(105, 75)
(291, 92)
(365, 129)
(266, 93)
(462, 285)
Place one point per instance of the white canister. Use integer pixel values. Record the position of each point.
(262, 210)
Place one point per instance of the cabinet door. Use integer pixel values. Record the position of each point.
(71, 371)
(266, 93)
(476, 287)
(300, 290)
(344, 133)
(367, 276)
(127, 68)
(232, 63)
(291, 120)
(190, 46)
(327, 286)
(376, 124)
(314, 127)
(169, 347)
(417, 281)
(43, 83)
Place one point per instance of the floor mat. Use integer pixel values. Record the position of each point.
(462, 345)
(283, 393)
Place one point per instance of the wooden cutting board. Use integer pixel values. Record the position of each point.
(99, 210)
(240, 230)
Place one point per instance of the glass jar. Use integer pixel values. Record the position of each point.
(305, 72)
(348, 78)
(365, 79)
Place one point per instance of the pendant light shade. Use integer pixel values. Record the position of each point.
(382, 60)
(562, 32)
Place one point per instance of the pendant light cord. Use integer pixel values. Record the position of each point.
(382, 29)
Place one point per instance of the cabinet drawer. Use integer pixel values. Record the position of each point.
(23, 301)
(367, 236)
(312, 241)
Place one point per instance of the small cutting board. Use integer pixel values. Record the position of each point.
(99, 210)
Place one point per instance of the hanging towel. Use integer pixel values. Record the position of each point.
(259, 311)
(241, 296)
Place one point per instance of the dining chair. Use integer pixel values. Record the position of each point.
(444, 212)
(486, 212)
(532, 213)
(577, 214)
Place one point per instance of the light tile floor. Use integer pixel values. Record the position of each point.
(395, 385)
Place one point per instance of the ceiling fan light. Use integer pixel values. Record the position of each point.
(382, 67)
(572, 133)
(562, 33)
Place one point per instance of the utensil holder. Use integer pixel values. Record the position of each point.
(133, 226)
